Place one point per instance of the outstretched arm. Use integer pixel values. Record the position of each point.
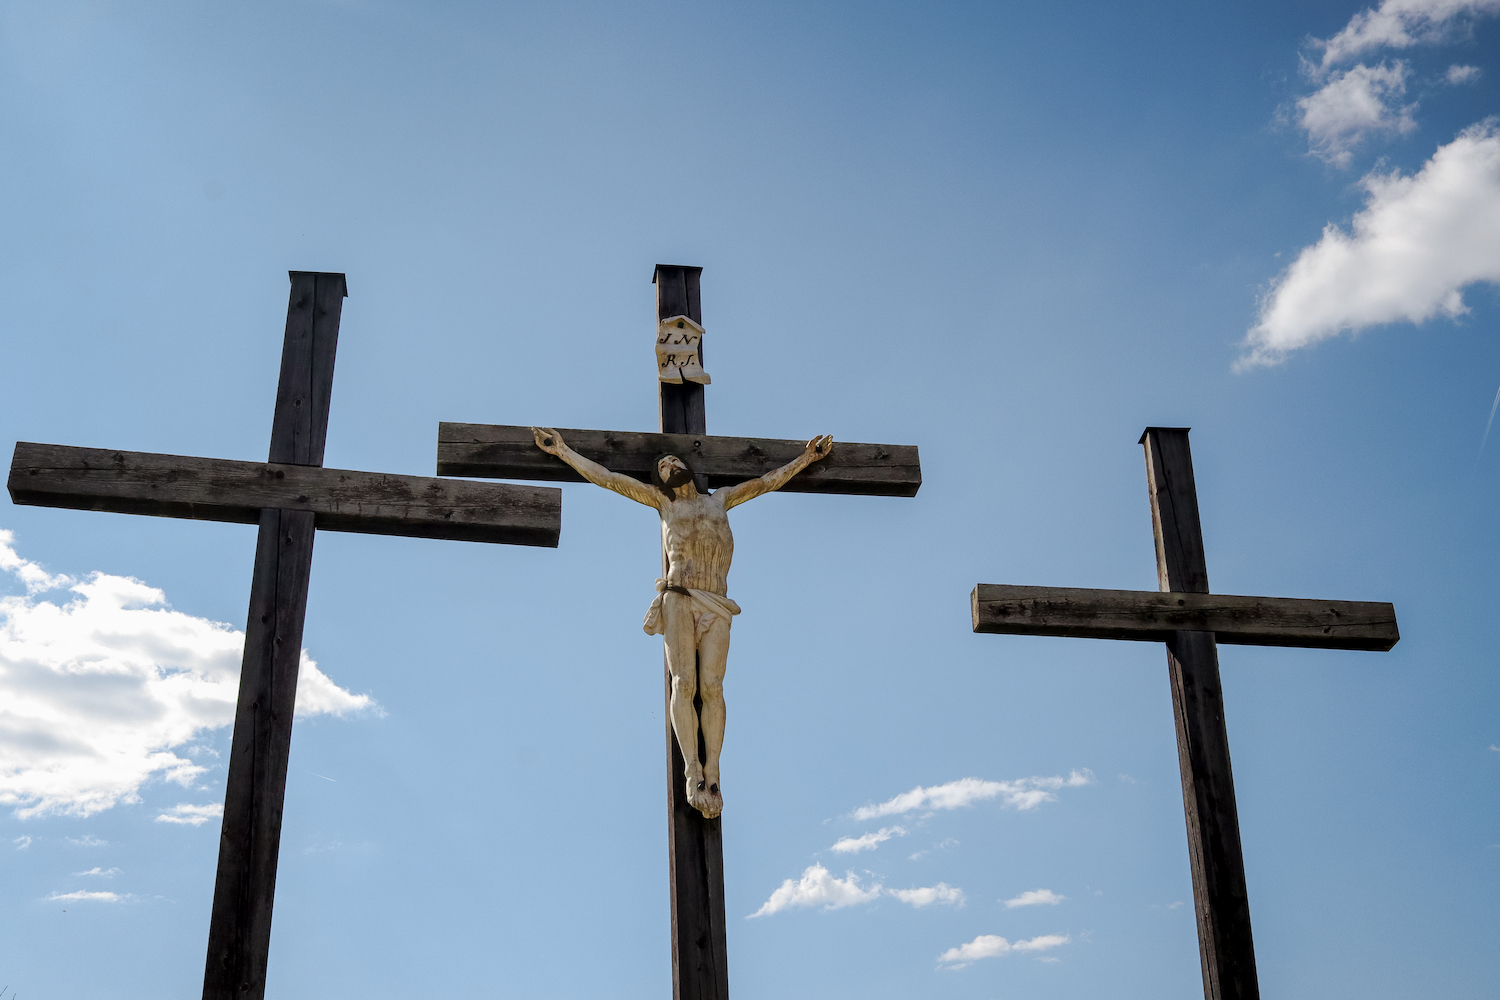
(552, 443)
(817, 448)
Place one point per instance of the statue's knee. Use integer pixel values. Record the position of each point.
(711, 688)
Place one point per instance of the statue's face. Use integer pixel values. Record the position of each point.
(673, 471)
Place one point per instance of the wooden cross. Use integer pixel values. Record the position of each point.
(288, 496)
(695, 844)
(1191, 623)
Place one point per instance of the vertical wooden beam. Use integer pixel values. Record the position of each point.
(1220, 898)
(677, 294)
(239, 934)
(700, 969)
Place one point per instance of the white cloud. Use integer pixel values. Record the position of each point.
(81, 896)
(868, 841)
(96, 692)
(1175, 905)
(1035, 897)
(1024, 793)
(191, 815)
(1415, 245)
(101, 872)
(88, 840)
(31, 574)
(818, 887)
(22, 843)
(991, 945)
(1459, 75)
(1353, 105)
(927, 895)
(1399, 24)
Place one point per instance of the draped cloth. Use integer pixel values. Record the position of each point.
(706, 607)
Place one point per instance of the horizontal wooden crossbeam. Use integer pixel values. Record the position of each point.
(1154, 616)
(210, 489)
(492, 451)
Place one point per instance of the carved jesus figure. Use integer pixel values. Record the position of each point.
(692, 610)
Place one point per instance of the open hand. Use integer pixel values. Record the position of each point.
(549, 440)
(819, 447)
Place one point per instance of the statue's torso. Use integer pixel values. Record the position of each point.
(699, 545)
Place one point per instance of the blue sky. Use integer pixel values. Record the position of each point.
(1013, 236)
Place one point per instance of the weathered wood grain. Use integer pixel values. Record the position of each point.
(304, 392)
(497, 451)
(1221, 900)
(695, 844)
(239, 938)
(212, 489)
(678, 293)
(1155, 617)
(1180, 561)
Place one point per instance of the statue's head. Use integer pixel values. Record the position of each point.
(669, 473)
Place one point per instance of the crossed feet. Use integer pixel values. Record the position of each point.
(703, 795)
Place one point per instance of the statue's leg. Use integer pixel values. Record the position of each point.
(713, 657)
(682, 664)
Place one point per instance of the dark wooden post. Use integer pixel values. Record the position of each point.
(1220, 898)
(700, 968)
(239, 934)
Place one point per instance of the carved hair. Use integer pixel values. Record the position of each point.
(678, 478)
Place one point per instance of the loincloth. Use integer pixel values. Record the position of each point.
(707, 608)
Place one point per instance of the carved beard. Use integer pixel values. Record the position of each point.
(679, 477)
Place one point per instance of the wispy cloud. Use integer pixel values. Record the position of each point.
(1460, 75)
(927, 895)
(101, 872)
(818, 887)
(1354, 105)
(1024, 793)
(22, 843)
(35, 578)
(190, 815)
(1399, 24)
(868, 841)
(82, 896)
(88, 840)
(98, 691)
(1417, 243)
(1035, 897)
(992, 945)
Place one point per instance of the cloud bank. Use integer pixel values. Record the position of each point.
(1024, 793)
(992, 945)
(1416, 244)
(98, 692)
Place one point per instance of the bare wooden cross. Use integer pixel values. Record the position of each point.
(288, 496)
(695, 844)
(1191, 623)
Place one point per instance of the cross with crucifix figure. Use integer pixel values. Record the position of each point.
(289, 496)
(672, 472)
(1192, 623)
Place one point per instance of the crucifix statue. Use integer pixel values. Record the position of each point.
(290, 496)
(692, 610)
(673, 471)
(1192, 622)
